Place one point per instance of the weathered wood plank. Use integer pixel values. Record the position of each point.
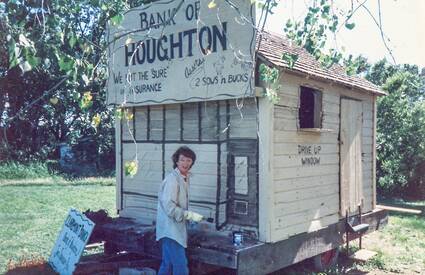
(282, 209)
(127, 129)
(351, 166)
(298, 172)
(282, 124)
(331, 109)
(374, 152)
(172, 122)
(305, 182)
(304, 137)
(308, 193)
(141, 122)
(308, 227)
(306, 216)
(265, 170)
(285, 112)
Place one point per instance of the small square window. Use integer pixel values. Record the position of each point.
(241, 207)
(310, 111)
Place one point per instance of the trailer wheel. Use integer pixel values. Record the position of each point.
(326, 260)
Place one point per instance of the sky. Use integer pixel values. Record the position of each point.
(403, 24)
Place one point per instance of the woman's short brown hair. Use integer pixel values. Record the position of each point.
(185, 151)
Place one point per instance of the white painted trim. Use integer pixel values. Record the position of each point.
(266, 198)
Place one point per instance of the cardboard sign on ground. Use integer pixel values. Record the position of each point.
(70, 243)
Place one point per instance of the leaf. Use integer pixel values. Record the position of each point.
(65, 63)
(32, 60)
(54, 100)
(290, 59)
(95, 120)
(117, 19)
(13, 61)
(24, 41)
(72, 41)
(130, 168)
(350, 26)
(118, 113)
(25, 66)
(212, 4)
(85, 79)
(86, 101)
(326, 8)
(129, 115)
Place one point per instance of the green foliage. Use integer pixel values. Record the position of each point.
(290, 59)
(52, 76)
(270, 76)
(130, 168)
(319, 24)
(400, 129)
(356, 66)
(32, 170)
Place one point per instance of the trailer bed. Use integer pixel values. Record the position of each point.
(251, 257)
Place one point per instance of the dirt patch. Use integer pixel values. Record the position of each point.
(29, 267)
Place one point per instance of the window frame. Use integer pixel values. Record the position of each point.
(317, 109)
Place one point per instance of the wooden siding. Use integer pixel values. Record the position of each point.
(140, 192)
(243, 118)
(159, 131)
(208, 113)
(306, 165)
(172, 122)
(351, 179)
(368, 157)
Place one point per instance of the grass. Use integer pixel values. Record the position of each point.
(32, 212)
(400, 245)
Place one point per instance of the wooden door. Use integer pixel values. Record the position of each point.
(242, 182)
(351, 155)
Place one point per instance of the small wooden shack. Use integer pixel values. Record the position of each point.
(283, 173)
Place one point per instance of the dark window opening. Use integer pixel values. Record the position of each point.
(310, 112)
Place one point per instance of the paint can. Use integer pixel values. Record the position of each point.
(237, 238)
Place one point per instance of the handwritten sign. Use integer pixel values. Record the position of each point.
(175, 51)
(70, 244)
(309, 154)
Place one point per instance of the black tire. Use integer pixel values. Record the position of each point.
(326, 260)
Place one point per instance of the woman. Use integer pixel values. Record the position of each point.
(173, 214)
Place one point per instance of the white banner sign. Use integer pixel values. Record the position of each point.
(70, 244)
(182, 51)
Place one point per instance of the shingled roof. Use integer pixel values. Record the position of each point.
(273, 46)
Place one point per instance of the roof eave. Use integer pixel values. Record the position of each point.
(377, 92)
